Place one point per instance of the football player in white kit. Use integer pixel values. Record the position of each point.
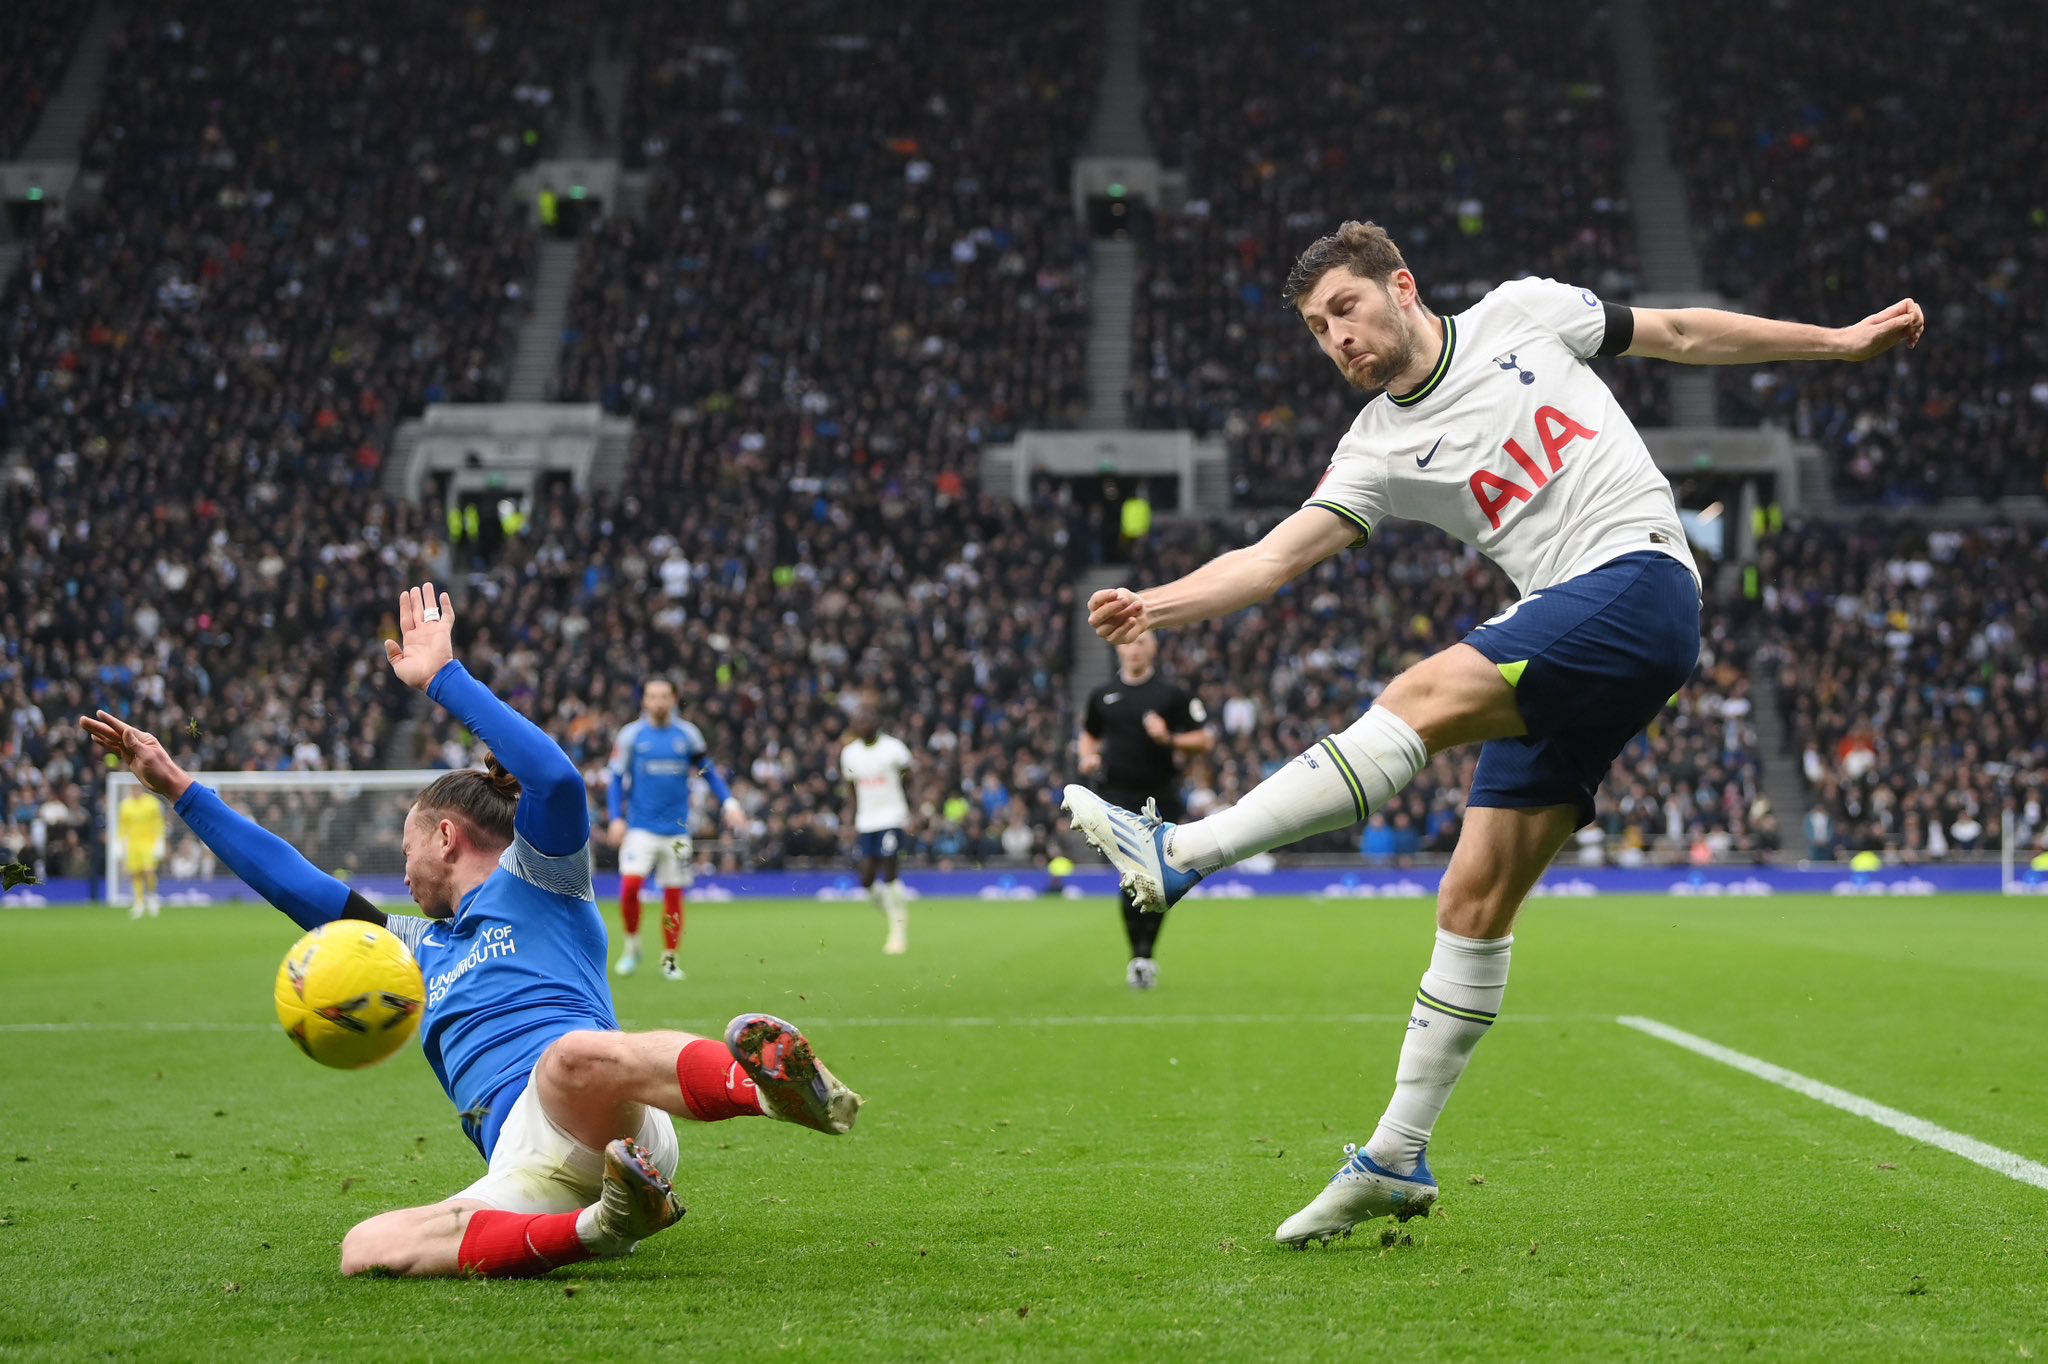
(1491, 426)
(874, 764)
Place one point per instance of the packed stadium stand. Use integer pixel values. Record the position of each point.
(1913, 661)
(852, 265)
(854, 240)
(1829, 178)
(202, 369)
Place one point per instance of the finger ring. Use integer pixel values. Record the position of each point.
(431, 613)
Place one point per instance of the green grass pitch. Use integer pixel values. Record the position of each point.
(1052, 1167)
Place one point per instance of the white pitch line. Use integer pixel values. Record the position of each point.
(137, 1027)
(1054, 1021)
(1982, 1153)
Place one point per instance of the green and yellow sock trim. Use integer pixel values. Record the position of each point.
(1343, 766)
(1430, 1001)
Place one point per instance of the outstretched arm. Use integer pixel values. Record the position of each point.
(272, 867)
(554, 813)
(1229, 582)
(731, 811)
(1709, 336)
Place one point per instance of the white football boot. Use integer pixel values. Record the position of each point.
(1134, 843)
(1360, 1191)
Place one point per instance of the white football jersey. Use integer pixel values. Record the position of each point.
(1514, 446)
(876, 771)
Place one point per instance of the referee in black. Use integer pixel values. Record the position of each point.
(1135, 729)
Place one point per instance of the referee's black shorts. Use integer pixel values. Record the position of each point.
(1133, 798)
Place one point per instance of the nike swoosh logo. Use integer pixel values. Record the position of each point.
(1109, 697)
(1422, 461)
(430, 942)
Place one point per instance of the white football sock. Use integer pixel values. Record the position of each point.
(896, 906)
(593, 1237)
(1460, 995)
(1335, 784)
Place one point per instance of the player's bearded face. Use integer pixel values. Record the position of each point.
(1388, 345)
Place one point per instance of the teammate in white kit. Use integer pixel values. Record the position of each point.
(1491, 426)
(874, 764)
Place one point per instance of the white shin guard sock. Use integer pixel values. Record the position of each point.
(1332, 785)
(1460, 996)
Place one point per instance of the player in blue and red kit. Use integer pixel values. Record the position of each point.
(649, 801)
(571, 1114)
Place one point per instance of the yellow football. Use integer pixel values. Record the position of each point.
(349, 994)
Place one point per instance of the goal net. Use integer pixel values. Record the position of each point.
(346, 823)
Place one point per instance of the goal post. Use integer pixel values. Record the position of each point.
(346, 823)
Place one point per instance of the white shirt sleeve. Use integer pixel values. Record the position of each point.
(1354, 487)
(1573, 314)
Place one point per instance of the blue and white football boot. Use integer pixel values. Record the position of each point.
(1360, 1191)
(1135, 845)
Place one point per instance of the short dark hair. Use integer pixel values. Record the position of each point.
(1362, 248)
(484, 803)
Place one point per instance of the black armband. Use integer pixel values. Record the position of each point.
(1621, 329)
(359, 908)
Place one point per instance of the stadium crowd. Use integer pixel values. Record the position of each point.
(1284, 123)
(855, 267)
(1912, 663)
(199, 375)
(1829, 178)
(949, 614)
(855, 237)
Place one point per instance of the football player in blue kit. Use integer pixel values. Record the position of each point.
(571, 1114)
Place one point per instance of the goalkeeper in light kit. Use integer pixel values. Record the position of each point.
(142, 850)
(1492, 426)
(571, 1114)
(649, 801)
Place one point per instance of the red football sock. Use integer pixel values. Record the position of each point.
(714, 1086)
(519, 1245)
(629, 905)
(672, 917)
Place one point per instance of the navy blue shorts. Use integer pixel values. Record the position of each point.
(1592, 660)
(882, 843)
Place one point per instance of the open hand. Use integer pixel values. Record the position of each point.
(1118, 615)
(426, 636)
(140, 751)
(1880, 331)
